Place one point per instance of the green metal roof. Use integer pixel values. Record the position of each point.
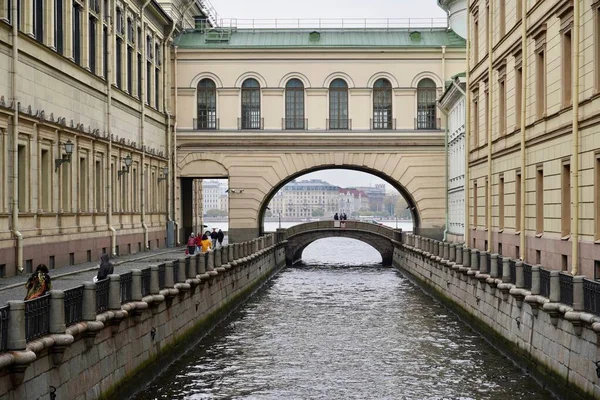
(329, 38)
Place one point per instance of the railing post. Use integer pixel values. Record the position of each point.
(217, 257)
(230, 249)
(57, 312)
(452, 252)
(181, 275)
(89, 301)
(114, 292)
(225, 254)
(202, 263)
(554, 286)
(466, 257)
(255, 247)
(210, 260)
(236, 251)
(136, 285)
(483, 267)
(578, 304)
(520, 278)
(494, 273)
(535, 279)
(154, 284)
(192, 271)
(474, 259)
(505, 269)
(459, 254)
(169, 275)
(16, 325)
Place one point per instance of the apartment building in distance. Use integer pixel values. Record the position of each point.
(533, 181)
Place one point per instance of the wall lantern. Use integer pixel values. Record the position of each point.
(128, 161)
(66, 157)
(165, 172)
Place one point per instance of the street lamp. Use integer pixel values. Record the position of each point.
(66, 157)
(128, 161)
(165, 172)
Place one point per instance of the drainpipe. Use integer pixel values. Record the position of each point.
(575, 155)
(467, 184)
(523, 124)
(15, 121)
(142, 122)
(174, 176)
(446, 169)
(489, 129)
(109, 185)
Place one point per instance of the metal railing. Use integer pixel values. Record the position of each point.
(102, 295)
(378, 124)
(253, 124)
(527, 276)
(332, 23)
(188, 266)
(203, 124)
(591, 296)
(428, 123)
(566, 288)
(161, 276)
(37, 317)
(126, 280)
(500, 264)
(4, 327)
(176, 272)
(73, 305)
(146, 276)
(544, 282)
(342, 124)
(513, 271)
(290, 123)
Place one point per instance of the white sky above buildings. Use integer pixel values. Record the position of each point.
(347, 178)
(260, 9)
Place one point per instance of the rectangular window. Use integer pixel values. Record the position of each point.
(475, 197)
(135, 190)
(476, 123)
(83, 185)
(596, 269)
(77, 33)
(114, 179)
(22, 181)
(566, 69)
(518, 90)
(92, 44)
(46, 171)
(119, 59)
(566, 200)
(51, 262)
(518, 201)
(58, 26)
(486, 112)
(105, 50)
(540, 87)
(139, 76)
(148, 82)
(501, 108)
(539, 200)
(29, 266)
(476, 40)
(501, 203)
(38, 20)
(157, 88)
(130, 70)
(89, 256)
(71, 258)
(487, 29)
(564, 262)
(98, 186)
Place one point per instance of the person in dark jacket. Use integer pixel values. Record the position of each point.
(220, 237)
(214, 235)
(106, 268)
(336, 217)
(39, 283)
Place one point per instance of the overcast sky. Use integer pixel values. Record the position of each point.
(258, 9)
(347, 178)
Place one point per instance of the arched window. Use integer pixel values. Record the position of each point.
(294, 105)
(207, 105)
(251, 105)
(382, 105)
(426, 94)
(338, 105)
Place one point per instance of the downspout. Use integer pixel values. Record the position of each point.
(16, 104)
(109, 185)
(175, 140)
(467, 183)
(142, 121)
(523, 125)
(489, 129)
(575, 155)
(445, 143)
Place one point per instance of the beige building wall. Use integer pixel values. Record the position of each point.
(549, 172)
(64, 213)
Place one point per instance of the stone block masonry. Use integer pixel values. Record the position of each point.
(146, 316)
(555, 338)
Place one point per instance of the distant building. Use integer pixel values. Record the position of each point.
(300, 199)
(375, 194)
(212, 193)
(352, 200)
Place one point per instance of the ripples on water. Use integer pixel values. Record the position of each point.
(339, 326)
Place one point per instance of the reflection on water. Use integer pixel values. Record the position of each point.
(347, 330)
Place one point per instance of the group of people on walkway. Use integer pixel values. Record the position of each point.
(209, 240)
(341, 217)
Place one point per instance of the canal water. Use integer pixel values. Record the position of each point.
(340, 326)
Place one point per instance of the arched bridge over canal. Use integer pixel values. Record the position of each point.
(381, 237)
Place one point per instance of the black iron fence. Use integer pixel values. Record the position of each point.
(126, 287)
(488, 259)
(383, 124)
(527, 276)
(102, 295)
(175, 271)
(73, 305)
(591, 296)
(161, 276)
(344, 124)
(4, 327)
(209, 123)
(500, 265)
(293, 123)
(566, 288)
(37, 317)
(146, 276)
(513, 271)
(544, 282)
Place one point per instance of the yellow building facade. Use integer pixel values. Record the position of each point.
(535, 195)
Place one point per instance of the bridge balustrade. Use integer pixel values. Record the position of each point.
(73, 305)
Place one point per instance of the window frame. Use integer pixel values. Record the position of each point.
(338, 105)
(426, 108)
(251, 106)
(382, 104)
(294, 105)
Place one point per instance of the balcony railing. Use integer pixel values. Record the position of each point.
(251, 123)
(4, 327)
(591, 296)
(344, 124)
(527, 276)
(383, 124)
(206, 124)
(175, 271)
(126, 280)
(544, 282)
(146, 276)
(566, 288)
(73, 305)
(427, 123)
(300, 124)
(102, 295)
(161, 276)
(37, 317)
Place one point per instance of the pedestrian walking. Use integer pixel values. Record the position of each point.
(205, 243)
(220, 237)
(214, 236)
(336, 217)
(39, 283)
(106, 268)
(191, 244)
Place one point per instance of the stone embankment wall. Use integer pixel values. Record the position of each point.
(519, 308)
(145, 318)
